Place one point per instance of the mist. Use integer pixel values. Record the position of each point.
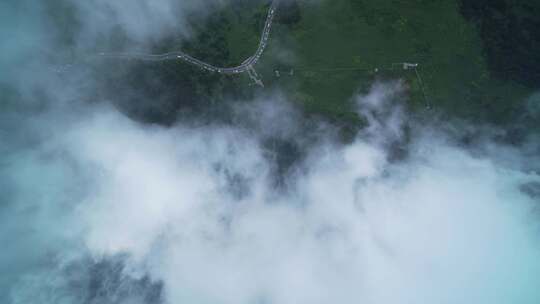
(268, 206)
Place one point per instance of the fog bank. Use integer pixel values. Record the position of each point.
(193, 213)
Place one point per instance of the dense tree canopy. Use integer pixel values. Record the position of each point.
(510, 30)
(289, 12)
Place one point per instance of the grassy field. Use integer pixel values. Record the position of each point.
(336, 46)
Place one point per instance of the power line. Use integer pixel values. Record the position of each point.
(428, 106)
(403, 65)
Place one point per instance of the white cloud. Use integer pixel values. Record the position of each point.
(442, 226)
(142, 21)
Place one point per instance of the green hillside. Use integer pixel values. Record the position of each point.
(335, 47)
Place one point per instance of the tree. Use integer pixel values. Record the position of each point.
(510, 31)
(288, 13)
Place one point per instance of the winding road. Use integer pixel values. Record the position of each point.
(179, 55)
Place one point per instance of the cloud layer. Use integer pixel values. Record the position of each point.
(196, 210)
